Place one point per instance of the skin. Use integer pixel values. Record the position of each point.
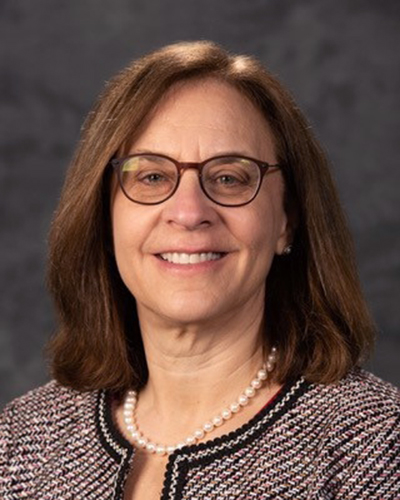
(201, 324)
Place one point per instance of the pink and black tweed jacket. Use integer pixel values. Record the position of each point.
(313, 442)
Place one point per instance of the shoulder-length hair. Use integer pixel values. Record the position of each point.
(314, 308)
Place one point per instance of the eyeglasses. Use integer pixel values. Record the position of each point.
(230, 181)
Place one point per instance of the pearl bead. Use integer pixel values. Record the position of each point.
(180, 445)
(262, 374)
(170, 449)
(217, 421)
(250, 392)
(190, 440)
(199, 433)
(151, 447)
(256, 383)
(142, 441)
(234, 407)
(226, 414)
(274, 350)
(208, 426)
(160, 450)
(269, 366)
(131, 427)
(243, 400)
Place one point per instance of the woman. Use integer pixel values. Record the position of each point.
(211, 323)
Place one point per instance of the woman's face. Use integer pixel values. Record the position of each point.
(198, 120)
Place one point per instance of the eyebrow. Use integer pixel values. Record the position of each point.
(221, 153)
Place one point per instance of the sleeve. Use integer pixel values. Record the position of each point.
(5, 449)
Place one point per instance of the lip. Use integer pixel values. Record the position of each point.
(190, 267)
(190, 250)
(192, 258)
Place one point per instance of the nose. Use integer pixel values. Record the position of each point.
(189, 207)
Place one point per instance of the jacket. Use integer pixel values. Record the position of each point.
(312, 442)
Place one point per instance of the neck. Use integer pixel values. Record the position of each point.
(199, 377)
(195, 370)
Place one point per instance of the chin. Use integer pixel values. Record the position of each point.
(188, 315)
(185, 312)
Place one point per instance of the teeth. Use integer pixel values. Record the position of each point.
(190, 258)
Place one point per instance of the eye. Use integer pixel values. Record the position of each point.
(228, 179)
(148, 171)
(152, 177)
(224, 177)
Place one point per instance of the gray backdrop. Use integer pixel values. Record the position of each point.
(338, 57)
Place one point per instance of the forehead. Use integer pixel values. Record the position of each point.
(207, 115)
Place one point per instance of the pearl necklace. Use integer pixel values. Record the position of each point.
(152, 447)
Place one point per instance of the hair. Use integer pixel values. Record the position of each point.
(314, 308)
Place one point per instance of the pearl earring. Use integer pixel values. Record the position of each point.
(287, 250)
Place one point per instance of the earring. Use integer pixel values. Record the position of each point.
(287, 250)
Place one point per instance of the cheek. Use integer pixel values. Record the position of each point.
(127, 227)
(259, 227)
(262, 242)
(272, 219)
(119, 223)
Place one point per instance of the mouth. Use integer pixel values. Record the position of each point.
(190, 258)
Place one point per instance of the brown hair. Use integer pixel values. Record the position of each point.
(314, 307)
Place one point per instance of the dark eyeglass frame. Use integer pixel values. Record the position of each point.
(116, 164)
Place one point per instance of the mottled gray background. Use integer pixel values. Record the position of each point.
(338, 57)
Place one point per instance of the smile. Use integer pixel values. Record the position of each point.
(190, 258)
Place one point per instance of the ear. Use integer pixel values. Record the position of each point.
(288, 228)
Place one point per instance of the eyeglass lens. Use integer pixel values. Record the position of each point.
(152, 179)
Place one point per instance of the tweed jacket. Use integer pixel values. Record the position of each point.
(314, 442)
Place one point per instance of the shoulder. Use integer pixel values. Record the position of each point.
(358, 434)
(361, 404)
(46, 411)
(47, 401)
(359, 407)
(368, 383)
(40, 396)
(361, 394)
